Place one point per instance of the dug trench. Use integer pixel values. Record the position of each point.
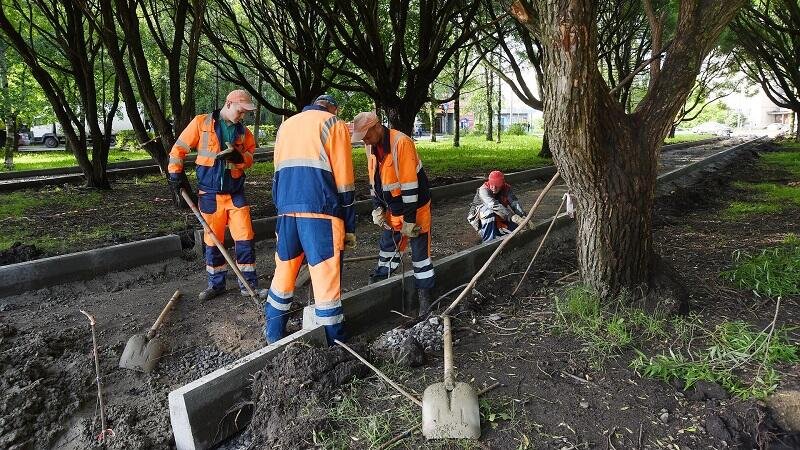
(554, 392)
(53, 391)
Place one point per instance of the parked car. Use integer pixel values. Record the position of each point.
(23, 139)
(715, 128)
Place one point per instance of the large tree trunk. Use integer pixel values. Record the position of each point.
(672, 130)
(489, 75)
(499, 108)
(11, 141)
(545, 152)
(457, 120)
(400, 117)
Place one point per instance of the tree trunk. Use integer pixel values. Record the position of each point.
(489, 76)
(796, 123)
(499, 108)
(432, 116)
(11, 140)
(400, 118)
(457, 120)
(545, 152)
(672, 130)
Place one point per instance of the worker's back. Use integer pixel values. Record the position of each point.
(312, 164)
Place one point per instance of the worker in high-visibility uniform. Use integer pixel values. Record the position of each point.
(224, 150)
(314, 194)
(402, 202)
(495, 210)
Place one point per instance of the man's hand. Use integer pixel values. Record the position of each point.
(410, 229)
(231, 155)
(378, 217)
(349, 241)
(178, 181)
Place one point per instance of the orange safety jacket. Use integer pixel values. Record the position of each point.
(397, 179)
(314, 167)
(213, 176)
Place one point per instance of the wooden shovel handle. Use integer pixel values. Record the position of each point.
(175, 297)
(447, 337)
(222, 249)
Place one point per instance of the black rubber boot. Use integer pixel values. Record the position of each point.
(424, 301)
(210, 293)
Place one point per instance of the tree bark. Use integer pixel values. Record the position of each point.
(489, 112)
(672, 130)
(609, 158)
(432, 114)
(457, 120)
(11, 141)
(545, 152)
(499, 109)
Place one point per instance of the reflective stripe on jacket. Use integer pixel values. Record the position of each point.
(398, 182)
(314, 167)
(213, 176)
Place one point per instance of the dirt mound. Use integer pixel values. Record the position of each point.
(44, 378)
(749, 425)
(19, 252)
(292, 391)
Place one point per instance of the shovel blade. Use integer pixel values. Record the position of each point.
(140, 354)
(450, 414)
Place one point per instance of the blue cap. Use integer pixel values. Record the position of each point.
(327, 98)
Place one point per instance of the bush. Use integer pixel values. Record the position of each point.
(517, 129)
(126, 140)
(266, 133)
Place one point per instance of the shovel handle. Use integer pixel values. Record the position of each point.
(221, 247)
(163, 314)
(447, 337)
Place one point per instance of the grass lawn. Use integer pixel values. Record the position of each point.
(62, 158)
(687, 137)
(770, 197)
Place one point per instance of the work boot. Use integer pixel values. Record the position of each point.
(374, 278)
(210, 293)
(261, 293)
(424, 302)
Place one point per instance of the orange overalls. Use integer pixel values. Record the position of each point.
(221, 197)
(314, 193)
(400, 186)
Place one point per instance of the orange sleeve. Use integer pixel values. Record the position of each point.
(248, 150)
(186, 142)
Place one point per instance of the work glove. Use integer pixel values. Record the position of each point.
(378, 217)
(349, 241)
(517, 219)
(231, 155)
(410, 229)
(178, 181)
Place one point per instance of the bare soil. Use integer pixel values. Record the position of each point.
(48, 396)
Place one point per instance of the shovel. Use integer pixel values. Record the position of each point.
(450, 409)
(221, 248)
(142, 352)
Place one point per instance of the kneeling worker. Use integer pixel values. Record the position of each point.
(495, 210)
(314, 194)
(402, 202)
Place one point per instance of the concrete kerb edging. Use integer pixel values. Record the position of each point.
(366, 306)
(206, 411)
(24, 276)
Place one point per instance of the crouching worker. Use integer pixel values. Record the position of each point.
(402, 202)
(495, 210)
(224, 150)
(314, 194)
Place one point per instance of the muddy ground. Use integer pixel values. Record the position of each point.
(552, 395)
(45, 350)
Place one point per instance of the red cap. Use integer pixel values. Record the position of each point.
(496, 178)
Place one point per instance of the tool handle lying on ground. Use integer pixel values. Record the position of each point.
(175, 297)
(500, 247)
(221, 247)
(379, 373)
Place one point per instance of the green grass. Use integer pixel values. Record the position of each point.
(55, 159)
(767, 197)
(739, 358)
(743, 360)
(774, 272)
(687, 137)
(19, 203)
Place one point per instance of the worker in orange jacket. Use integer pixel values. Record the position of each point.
(314, 194)
(402, 202)
(224, 150)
